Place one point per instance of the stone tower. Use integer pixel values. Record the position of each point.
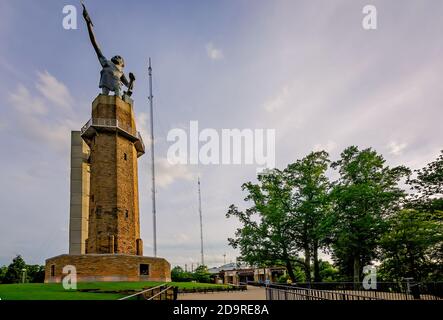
(115, 145)
(105, 242)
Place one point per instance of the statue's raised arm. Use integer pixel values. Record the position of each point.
(89, 24)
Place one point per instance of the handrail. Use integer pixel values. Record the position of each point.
(299, 294)
(110, 123)
(155, 295)
(141, 292)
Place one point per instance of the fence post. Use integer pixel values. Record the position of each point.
(175, 293)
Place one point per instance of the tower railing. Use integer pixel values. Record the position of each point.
(115, 124)
(109, 123)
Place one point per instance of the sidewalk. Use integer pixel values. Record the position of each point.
(253, 293)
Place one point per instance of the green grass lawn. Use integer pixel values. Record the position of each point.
(55, 291)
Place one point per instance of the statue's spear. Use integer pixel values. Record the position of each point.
(85, 14)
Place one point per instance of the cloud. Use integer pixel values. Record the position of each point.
(395, 148)
(26, 104)
(279, 101)
(53, 90)
(167, 173)
(213, 53)
(45, 115)
(142, 126)
(328, 147)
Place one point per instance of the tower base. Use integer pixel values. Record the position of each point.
(108, 267)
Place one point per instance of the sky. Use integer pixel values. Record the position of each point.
(304, 68)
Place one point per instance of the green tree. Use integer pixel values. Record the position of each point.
(202, 275)
(310, 206)
(266, 236)
(179, 275)
(35, 273)
(365, 194)
(328, 273)
(14, 272)
(3, 270)
(412, 247)
(428, 187)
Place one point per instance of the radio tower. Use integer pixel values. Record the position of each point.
(201, 222)
(151, 107)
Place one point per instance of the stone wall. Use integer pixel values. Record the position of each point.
(108, 267)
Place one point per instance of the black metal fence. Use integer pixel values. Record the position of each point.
(384, 290)
(353, 291)
(231, 287)
(279, 292)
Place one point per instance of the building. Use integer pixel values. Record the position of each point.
(235, 274)
(104, 232)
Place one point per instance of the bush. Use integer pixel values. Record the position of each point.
(200, 274)
(179, 275)
(283, 279)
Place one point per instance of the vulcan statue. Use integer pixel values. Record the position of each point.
(111, 76)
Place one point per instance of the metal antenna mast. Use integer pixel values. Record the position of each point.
(201, 222)
(151, 106)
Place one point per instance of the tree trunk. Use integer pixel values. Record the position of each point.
(290, 271)
(317, 277)
(308, 264)
(356, 270)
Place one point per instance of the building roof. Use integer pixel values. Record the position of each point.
(225, 267)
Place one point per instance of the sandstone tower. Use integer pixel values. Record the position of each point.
(115, 145)
(105, 242)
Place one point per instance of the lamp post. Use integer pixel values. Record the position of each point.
(23, 275)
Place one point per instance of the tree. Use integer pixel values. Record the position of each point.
(310, 206)
(328, 273)
(35, 273)
(365, 194)
(3, 270)
(179, 275)
(428, 187)
(412, 247)
(267, 236)
(202, 275)
(14, 272)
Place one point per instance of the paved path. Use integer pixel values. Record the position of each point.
(253, 293)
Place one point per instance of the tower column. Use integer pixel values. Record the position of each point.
(114, 146)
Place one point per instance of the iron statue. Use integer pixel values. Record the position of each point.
(112, 75)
